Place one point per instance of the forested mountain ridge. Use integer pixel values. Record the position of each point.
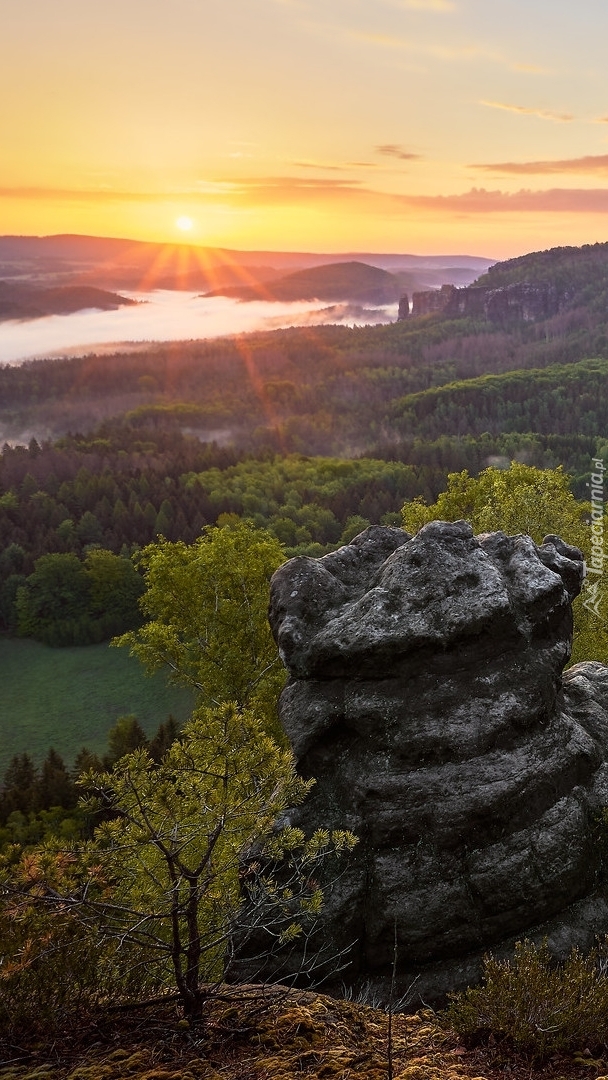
(25, 301)
(583, 271)
(533, 288)
(124, 447)
(310, 390)
(566, 399)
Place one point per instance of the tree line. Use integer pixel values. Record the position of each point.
(322, 391)
(65, 570)
(565, 400)
(41, 803)
(174, 846)
(68, 530)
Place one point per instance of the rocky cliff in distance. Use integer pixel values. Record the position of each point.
(530, 288)
(426, 697)
(504, 305)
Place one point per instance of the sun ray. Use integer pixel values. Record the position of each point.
(152, 274)
(214, 261)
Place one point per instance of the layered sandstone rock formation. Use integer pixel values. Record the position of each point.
(426, 697)
(503, 305)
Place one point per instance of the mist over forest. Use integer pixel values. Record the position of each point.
(54, 297)
(169, 315)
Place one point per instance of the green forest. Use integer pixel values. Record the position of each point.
(145, 495)
(309, 433)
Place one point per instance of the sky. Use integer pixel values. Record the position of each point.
(423, 126)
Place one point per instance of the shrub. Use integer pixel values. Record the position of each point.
(52, 965)
(538, 1005)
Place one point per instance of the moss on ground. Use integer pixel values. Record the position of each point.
(289, 1035)
(277, 1034)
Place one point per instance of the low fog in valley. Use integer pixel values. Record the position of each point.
(168, 315)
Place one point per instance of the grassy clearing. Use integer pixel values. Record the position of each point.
(68, 698)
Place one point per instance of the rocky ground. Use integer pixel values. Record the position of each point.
(276, 1035)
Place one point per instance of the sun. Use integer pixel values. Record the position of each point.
(184, 223)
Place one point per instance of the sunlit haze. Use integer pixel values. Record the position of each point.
(324, 125)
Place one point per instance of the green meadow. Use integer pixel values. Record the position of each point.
(69, 698)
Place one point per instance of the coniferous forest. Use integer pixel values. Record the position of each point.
(130, 482)
(312, 434)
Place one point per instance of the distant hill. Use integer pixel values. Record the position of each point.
(581, 273)
(337, 281)
(563, 399)
(19, 301)
(115, 263)
(531, 288)
(560, 261)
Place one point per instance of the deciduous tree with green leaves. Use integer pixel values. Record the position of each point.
(114, 590)
(207, 603)
(522, 499)
(52, 605)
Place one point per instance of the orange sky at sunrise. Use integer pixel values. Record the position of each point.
(426, 126)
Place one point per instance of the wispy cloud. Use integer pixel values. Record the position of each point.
(88, 195)
(481, 201)
(291, 190)
(427, 5)
(456, 53)
(317, 165)
(525, 110)
(264, 188)
(395, 150)
(417, 48)
(207, 187)
(597, 163)
(203, 187)
(531, 69)
(343, 167)
(326, 192)
(288, 190)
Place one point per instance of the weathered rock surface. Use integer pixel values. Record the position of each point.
(503, 305)
(426, 697)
